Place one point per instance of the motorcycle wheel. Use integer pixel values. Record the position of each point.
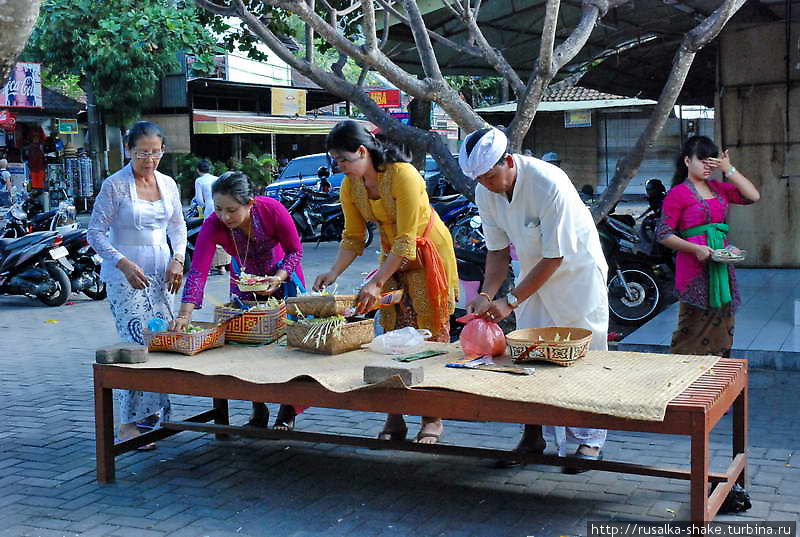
(63, 287)
(466, 238)
(646, 296)
(98, 289)
(370, 234)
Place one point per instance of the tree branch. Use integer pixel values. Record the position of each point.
(386, 24)
(526, 108)
(628, 166)
(369, 25)
(216, 9)
(471, 51)
(545, 67)
(491, 55)
(423, 41)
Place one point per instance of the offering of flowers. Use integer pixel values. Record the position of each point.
(254, 282)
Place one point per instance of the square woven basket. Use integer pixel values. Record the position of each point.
(319, 306)
(256, 326)
(564, 353)
(353, 335)
(212, 336)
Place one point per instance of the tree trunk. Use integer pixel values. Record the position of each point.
(17, 19)
(98, 170)
(420, 116)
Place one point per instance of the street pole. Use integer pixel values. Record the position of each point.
(94, 136)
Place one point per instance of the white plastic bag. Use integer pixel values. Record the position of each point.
(400, 341)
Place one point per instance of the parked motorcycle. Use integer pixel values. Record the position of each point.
(85, 275)
(638, 265)
(459, 215)
(193, 225)
(318, 216)
(36, 265)
(18, 220)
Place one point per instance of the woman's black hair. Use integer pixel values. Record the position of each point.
(142, 129)
(236, 185)
(697, 146)
(349, 136)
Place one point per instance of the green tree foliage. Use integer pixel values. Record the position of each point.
(120, 48)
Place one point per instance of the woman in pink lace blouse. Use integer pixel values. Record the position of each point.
(693, 224)
(261, 235)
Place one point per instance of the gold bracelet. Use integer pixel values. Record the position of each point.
(486, 296)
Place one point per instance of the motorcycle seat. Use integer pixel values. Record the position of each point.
(444, 199)
(6, 245)
(444, 208)
(41, 217)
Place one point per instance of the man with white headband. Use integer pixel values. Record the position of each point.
(532, 204)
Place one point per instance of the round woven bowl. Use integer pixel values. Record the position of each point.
(720, 257)
(253, 287)
(560, 352)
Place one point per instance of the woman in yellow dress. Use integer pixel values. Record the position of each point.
(381, 186)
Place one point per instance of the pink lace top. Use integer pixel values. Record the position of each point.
(684, 208)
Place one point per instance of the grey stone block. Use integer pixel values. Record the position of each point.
(121, 353)
(384, 369)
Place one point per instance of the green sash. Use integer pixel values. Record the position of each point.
(719, 287)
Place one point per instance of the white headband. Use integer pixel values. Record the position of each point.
(484, 155)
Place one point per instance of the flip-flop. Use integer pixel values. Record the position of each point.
(421, 435)
(147, 447)
(284, 421)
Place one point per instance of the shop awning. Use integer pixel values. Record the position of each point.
(217, 122)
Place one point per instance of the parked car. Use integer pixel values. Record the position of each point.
(302, 171)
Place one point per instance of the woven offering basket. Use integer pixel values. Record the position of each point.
(259, 326)
(319, 306)
(212, 336)
(560, 352)
(353, 335)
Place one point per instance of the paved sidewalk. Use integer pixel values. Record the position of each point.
(194, 486)
(765, 331)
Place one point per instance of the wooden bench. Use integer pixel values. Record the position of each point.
(695, 412)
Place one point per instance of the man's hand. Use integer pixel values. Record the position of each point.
(324, 280)
(497, 311)
(479, 305)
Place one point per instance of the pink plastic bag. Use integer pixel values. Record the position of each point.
(481, 337)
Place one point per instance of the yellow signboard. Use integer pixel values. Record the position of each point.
(577, 118)
(288, 102)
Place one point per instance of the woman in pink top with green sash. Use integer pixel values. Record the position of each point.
(693, 224)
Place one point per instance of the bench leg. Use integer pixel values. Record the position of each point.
(221, 416)
(104, 433)
(699, 471)
(740, 431)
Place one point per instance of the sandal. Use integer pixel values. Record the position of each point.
(393, 436)
(571, 470)
(285, 419)
(421, 435)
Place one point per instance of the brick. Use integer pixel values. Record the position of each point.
(384, 369)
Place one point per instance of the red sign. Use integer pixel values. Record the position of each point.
(386, 98)
(7, 120)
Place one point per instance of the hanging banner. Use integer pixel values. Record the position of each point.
(577, 118)
(288, 102)
(386, 98)
(23, 88)
(68, 126)
(8, 120)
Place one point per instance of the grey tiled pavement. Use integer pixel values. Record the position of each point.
(194, 486)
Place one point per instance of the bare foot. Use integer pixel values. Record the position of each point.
(586, 450)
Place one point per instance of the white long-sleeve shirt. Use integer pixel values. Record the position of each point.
(122, 225)
(202, 193)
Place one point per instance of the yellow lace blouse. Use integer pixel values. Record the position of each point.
(402, 213)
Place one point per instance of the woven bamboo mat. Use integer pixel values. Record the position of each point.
(623, 384)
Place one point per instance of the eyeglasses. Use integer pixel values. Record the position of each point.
(341, 158)
(144, 156)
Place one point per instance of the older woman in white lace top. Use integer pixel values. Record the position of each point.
(136, 210)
